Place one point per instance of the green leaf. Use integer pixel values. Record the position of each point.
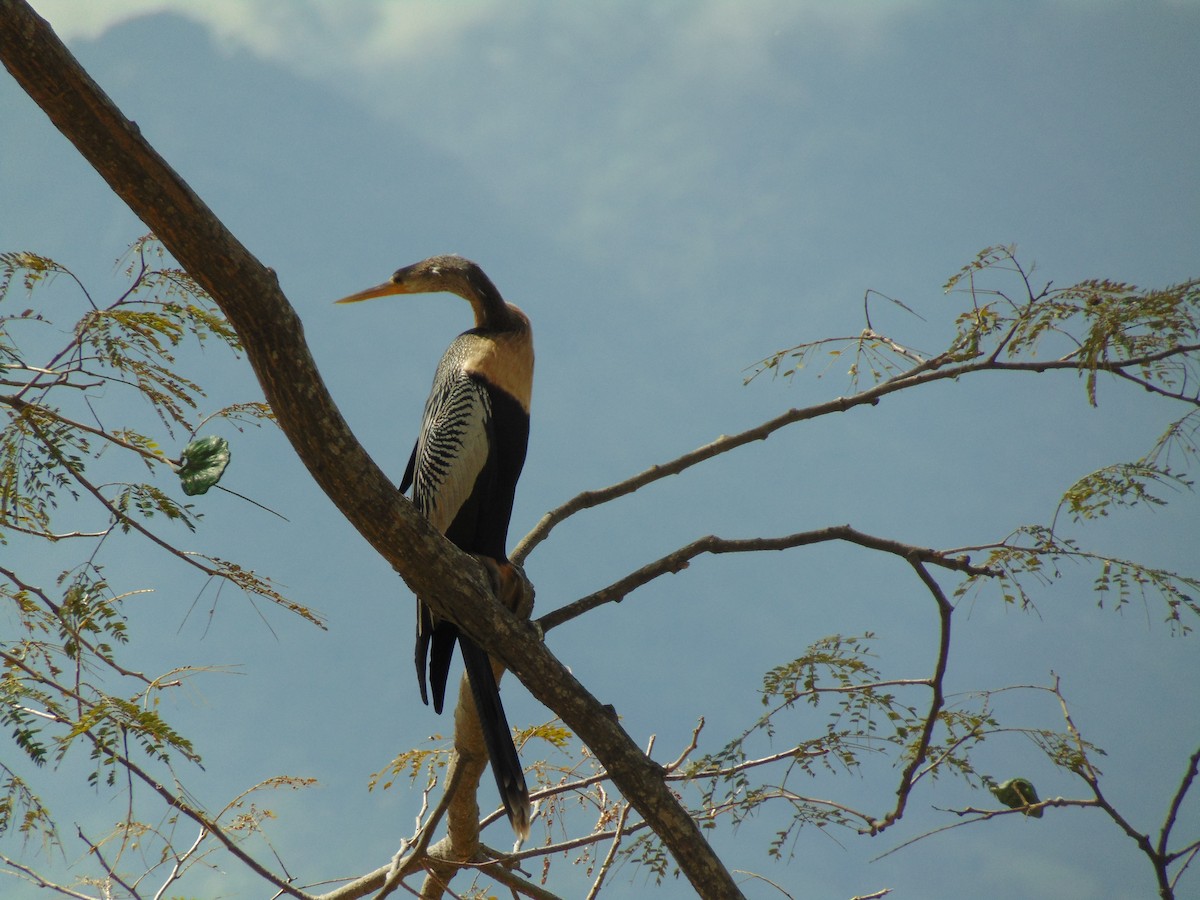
(203, 463)
(1017, 793)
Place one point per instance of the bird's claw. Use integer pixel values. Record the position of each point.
(509, 585)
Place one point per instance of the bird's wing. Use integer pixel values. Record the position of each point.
(453, 451)
(453, 448)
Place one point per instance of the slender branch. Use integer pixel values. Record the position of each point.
(1086, 771)
(1190, 850)
(745, 766)
(723, 444)
(79, 637)
(673, 776)
(117, 516)
(821, 801)
(755, 876)
(413, 852)
(40, 881)
(611, 855)
(94, 849)
(61, 379)
(20, 406)
(1176, 803)
(688, 750)
(1190, 853)
(573, 843)
(203, 821)
(359, 887)
(945, 612)
(983, 815)
(53, 537)
(678, 560)
(937, 368)
(1153, 388)
(180, 860)
(523, 886)
(1185, 785)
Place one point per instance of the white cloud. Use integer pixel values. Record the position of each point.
(329, 36)
(732, 35)
(72, 20)
(298, 33)
(624, 109)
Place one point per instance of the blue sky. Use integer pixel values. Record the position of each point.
(671, 194)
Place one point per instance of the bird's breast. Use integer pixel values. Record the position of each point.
(505, 362)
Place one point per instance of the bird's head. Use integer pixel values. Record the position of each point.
(448, 272)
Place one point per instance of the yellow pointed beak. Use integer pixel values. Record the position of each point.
(380, 290)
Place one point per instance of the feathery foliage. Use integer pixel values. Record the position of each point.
(70, 481)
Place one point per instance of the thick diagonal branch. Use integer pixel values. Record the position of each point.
(249, 295)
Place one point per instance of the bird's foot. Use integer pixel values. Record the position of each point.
(509, 584)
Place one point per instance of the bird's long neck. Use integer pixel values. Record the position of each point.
(491, 312)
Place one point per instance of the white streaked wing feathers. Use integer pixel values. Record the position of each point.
(452, 449)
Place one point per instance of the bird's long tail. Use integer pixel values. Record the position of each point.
(497, 736)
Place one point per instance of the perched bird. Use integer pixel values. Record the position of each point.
(463, 472)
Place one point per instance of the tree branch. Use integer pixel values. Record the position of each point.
(39, 881)
(1176, 802)
(945, 612)
(678, 560)
(94, 849)
(937, 368)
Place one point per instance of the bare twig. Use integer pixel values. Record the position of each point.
(180, 862)
(1091, 777)
(688, 750)
(1185, 785)
(763, 878)
(611, 855)
(1182, 396)
(413, 851)
(94, 849)
(34, 878)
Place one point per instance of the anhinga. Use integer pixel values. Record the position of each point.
(463, 472)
